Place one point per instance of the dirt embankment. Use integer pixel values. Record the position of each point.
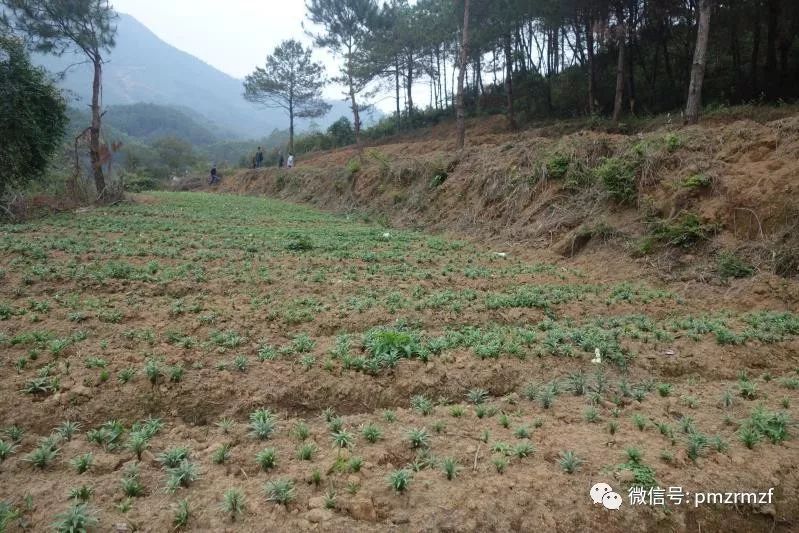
(675, 198)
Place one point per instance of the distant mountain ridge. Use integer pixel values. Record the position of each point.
(149, 122)
(144, 69)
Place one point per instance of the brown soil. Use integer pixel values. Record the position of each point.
(487, 198)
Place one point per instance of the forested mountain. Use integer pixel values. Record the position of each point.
(149, 122)
(144, 69)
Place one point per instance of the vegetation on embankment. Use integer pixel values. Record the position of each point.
(711, 201)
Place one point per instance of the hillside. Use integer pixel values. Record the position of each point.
(149, 122)
(144, 69)
(704, 202)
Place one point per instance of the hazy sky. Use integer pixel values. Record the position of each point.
(234, 36)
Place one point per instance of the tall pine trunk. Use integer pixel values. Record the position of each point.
(94, 132)
(694, 104)
(409, 87)
(460, 112)
(509, 81)
(772, 78)
(291, 127)
(356, 115)
(397, 90)
(619, 100)
(589, 38)
(754, 66)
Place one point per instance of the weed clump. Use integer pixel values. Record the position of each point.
(730, 265)
(78, 518)
(619, 178)
(262, 424)
(763, 424)
(400, 479)
(697, 181)
(280, 491)
(685, 231)
(557, 166)
(299, 243)
(387, 346)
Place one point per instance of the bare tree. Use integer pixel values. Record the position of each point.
(621, 38)
(346, 25)
(694, 104)
(464, 59)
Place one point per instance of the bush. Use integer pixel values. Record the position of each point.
(697, 181)
(386, 346)
(730, 265)
(353, 165)
(341, 132)
(299, 243)
(619, 179)
(438, 179)
(686, 231)
(558, 166)
(78, 518)
(32, 116)
(134, 182)
(673, 142)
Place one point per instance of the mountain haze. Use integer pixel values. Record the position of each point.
(144, 69)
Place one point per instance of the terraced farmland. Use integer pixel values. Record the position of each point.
(232, 363)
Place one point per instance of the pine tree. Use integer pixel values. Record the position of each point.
(291, 81)
(85, 26)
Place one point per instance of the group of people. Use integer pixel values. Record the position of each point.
(257, 162)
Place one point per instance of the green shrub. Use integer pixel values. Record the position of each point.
(280, 491)
(172, 457)
(299, 243)
(137, 183)
(34, 116)
(685, 231)
(730, 265)
(262, 424)
(673, 142)
(450, 467)
(233, 503)
(569, 462)
(557, 166)
(77, 519)
(181, 475)
(400, 479)
(182, 514)
(643, 475)
(386, 346)
(6, 449)
(696, 181)
(266, 458)
(8, 514)
(371, 433)
(353, 165)
(438, 179)
(618, 176)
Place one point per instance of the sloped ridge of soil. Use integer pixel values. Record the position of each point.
(738, 179)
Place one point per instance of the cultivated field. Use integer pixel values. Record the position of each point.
(232, 363)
